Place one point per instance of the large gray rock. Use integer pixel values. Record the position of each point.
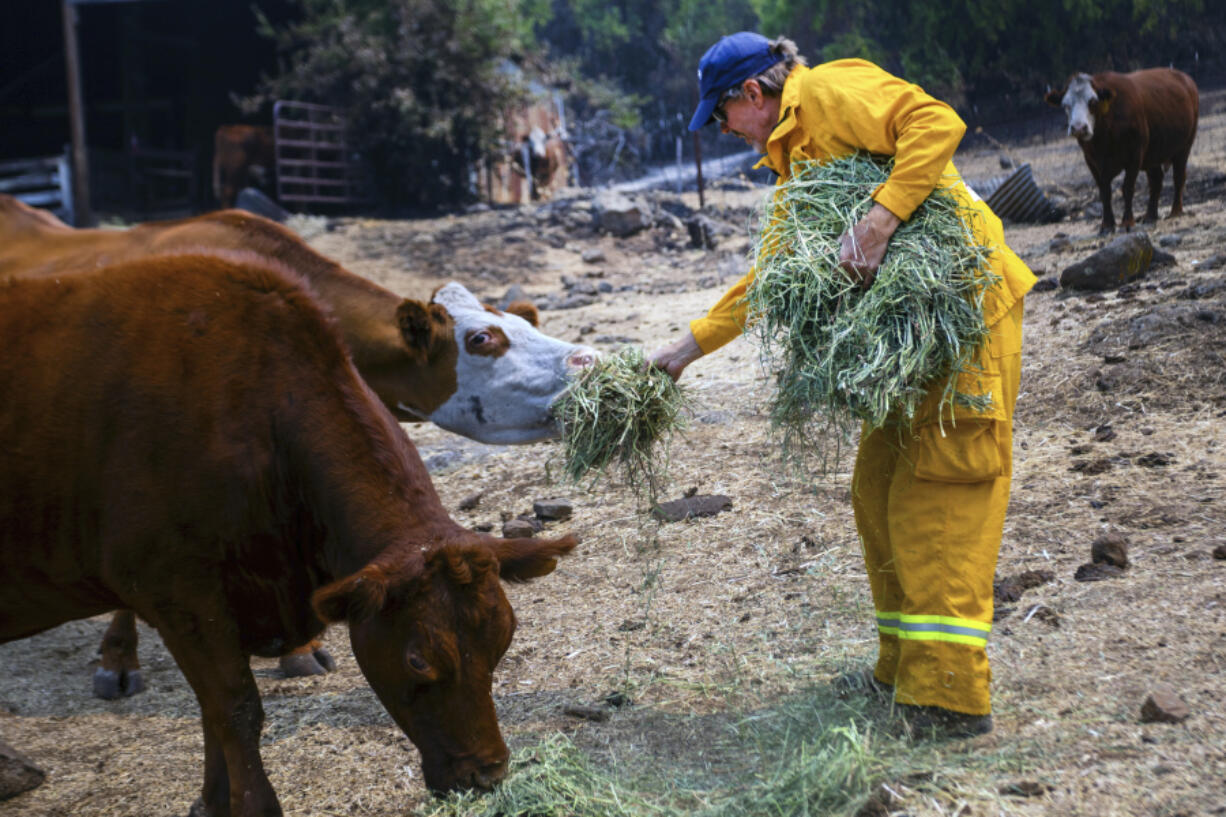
(1124, 259)
(619, 215)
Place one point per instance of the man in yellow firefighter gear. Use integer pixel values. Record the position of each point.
(929, 506)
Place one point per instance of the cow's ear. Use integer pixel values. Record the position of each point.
(526, 310)
(1105, 97)
(413, 318)
(1054, 98)
(422, 326)
(522, 559)
(352, 598)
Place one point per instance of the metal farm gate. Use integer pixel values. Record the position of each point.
(314, 164)
(43, 182)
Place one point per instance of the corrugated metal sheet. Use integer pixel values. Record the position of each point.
(1016, 197)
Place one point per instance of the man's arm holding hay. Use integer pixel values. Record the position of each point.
(862, 108)
(883, 114)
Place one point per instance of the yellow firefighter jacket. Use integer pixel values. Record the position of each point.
(837, 108)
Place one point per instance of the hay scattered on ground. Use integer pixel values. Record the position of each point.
(552, 778)
(844, 355)
(808, 754)
(621, 414)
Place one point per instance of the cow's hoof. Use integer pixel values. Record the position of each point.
(300, 665)
(325, 659)
(199, 809)
(110, 685)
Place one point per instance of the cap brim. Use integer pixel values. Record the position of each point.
(702, 115)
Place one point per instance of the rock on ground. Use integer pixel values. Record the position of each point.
(17, 773)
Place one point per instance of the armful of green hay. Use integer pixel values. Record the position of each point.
(842, 355)
(621, 412)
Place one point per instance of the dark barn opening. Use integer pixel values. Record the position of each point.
(157, 79)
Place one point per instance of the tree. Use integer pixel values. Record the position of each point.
(423, 82)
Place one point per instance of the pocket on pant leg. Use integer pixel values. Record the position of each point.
(968, 451)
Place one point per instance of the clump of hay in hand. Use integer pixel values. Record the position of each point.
(843, 354)
(617, 414)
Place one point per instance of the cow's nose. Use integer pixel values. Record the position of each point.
(487, 777)
(582, 358)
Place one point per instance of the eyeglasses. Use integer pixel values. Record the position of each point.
(718, 110)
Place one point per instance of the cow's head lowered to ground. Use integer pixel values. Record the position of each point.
(428, 625)
(507, 372)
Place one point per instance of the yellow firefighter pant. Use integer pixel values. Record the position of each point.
(930, 509)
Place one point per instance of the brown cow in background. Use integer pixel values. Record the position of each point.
(547, 161)
(1129, 122)
(243, 156)
(533, 134)
(186, 436)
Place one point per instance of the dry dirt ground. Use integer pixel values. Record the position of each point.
(1119, 430)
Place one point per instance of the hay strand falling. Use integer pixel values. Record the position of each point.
(621, 414)
(844, 355)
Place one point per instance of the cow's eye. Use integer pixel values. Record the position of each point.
(487, 342)
(419, 668)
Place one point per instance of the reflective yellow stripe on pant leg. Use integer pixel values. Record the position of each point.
(934, 628)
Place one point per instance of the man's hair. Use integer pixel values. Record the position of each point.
(772, 78)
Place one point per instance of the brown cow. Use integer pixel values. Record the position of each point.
(1131, 122)
(426, 361)
(186, 436)
(547, 159)
(243, 156)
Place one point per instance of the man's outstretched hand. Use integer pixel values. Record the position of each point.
(674, 357)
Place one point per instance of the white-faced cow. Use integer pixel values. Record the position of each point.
(186, 436)
(488, 375)
(1145, 120)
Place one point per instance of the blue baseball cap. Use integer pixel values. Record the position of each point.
(726, 64)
